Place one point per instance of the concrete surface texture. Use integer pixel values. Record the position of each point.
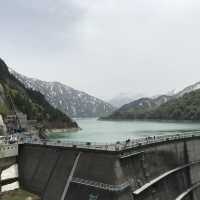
(160, 171)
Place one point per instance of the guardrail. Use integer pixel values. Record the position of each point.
(158, 139)
(118, 146)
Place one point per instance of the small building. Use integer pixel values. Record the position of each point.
(17, 122)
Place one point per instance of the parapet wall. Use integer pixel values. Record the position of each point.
(167, 170)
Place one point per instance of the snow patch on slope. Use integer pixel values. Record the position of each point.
(73, 102)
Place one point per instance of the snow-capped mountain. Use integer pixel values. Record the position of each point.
(188, 89)
(142, 106)
(73, 102)
(124, 98)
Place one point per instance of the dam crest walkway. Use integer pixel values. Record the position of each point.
(110, 147)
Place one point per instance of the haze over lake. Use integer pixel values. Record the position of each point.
(94, 130)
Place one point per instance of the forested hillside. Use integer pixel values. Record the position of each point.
(14, 94)
(186, 107)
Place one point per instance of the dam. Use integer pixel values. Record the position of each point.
(152, 168)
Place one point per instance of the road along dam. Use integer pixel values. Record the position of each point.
(153, 168)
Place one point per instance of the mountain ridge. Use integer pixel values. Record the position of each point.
(141, 108)
(72, 102)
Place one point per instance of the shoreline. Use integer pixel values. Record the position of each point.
(64, 130)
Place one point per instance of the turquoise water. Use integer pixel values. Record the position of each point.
(94, 130)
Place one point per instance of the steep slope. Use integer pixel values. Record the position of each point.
(138, 107)
(70, 101)
(29, 102)
(186, 107)
(188, 89)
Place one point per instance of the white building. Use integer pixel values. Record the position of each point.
(2, 126)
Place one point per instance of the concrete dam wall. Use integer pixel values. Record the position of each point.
(167, 170)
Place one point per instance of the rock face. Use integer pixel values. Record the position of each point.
(70, 101)
(14, 95)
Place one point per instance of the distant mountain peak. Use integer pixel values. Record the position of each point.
(124, 98)
(73, 102)
(189, 89)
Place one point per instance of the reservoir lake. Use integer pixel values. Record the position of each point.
(94, 130)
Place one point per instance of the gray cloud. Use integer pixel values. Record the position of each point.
(104, 47)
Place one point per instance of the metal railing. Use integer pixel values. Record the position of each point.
(118, 146)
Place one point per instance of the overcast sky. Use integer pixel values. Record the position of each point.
(104, 47)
